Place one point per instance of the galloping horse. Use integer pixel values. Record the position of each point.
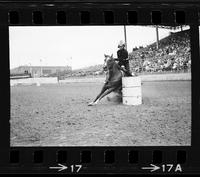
(113, 78)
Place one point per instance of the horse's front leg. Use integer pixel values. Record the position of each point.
(98, 96)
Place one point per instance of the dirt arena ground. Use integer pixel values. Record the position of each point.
(58, 115)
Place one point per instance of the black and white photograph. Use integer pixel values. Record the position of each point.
(100, 86)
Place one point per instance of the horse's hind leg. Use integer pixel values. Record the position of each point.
(106, 93)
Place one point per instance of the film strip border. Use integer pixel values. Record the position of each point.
(99, 159)
(97, 14)
(112, 160)
(107, 17)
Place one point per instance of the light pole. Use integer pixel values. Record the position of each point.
(157, 37)
(70, 63)
(40, 67)
(125, 37)
(30, 69)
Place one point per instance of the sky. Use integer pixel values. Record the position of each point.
(76, 46)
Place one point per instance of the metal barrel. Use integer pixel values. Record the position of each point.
(131, 91)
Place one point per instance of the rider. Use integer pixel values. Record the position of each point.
(122, 57)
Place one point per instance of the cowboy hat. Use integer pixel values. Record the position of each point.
(121, 43)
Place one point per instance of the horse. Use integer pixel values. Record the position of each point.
(113, 80)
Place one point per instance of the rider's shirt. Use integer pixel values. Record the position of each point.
(122, 55)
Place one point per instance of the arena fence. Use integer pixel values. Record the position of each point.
(144, 78)
(54, 80)
(33, 81)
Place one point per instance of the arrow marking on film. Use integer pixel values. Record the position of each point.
(60, 168)
(152, 168)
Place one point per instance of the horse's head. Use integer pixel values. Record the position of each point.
(108, 62)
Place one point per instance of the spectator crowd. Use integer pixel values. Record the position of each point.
(173, 54)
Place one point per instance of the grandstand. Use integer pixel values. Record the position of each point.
(173, 55)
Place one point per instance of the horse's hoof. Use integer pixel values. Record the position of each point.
(91, 104)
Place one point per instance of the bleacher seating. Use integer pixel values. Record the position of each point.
(173, 55)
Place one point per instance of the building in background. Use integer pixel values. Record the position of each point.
(39, 71)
